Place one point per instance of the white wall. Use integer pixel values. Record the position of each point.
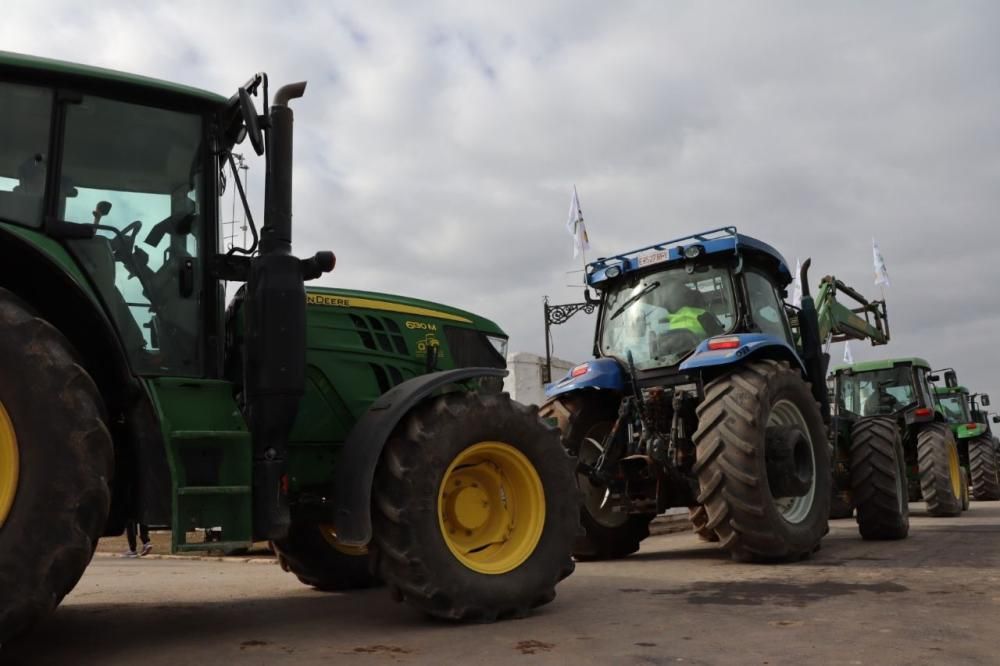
(524, 383)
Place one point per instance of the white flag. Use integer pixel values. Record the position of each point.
(881, 274)
(575, 227)
(848, 359)
(797, 285)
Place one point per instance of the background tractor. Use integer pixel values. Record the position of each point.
(707, 391)
(891, 446)
(364, 434)
(978, 449)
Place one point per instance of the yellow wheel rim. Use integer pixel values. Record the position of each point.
(330, 534)
(9, 464)
(491, 508)
(954, 470)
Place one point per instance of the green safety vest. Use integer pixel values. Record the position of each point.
(686, 317)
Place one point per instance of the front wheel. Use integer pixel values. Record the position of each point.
(312, 553)
(475, 509)
(984, 468)
(608, 534)
(878, 479)
(940, 471)
(763, 463)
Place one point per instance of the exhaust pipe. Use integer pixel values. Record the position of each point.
(275, 324)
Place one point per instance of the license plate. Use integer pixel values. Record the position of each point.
(653, 258)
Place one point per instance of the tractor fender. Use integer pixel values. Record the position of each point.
(359, 457)
(751, 346)
(599, 373)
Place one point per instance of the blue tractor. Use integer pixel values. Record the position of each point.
(707, 391)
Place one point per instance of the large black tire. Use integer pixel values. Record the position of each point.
(414, 554)
(64, 470)
(699, 523)
(984, 468)
(607, 535)
(878, 479)
(316, 561)
(732, 473)
(940, 472)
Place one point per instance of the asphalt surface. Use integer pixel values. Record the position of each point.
(931, 599)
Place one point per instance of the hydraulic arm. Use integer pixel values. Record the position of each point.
(839, 322)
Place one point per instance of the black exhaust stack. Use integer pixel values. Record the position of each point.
(813, 357)
(276, 328)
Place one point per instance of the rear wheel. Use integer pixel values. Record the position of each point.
(56, 463)
(763, 463)
(940, 472)
(313, 555)
(699, 523)
(984, 468)
(878, 479)
(607, 534)
(475, 509)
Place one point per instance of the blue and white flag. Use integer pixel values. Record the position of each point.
(881, 273)
(575, 227)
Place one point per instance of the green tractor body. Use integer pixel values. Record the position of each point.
(978, 448)
(364, 434)
(891, 446)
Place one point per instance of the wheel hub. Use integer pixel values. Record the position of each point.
(471, 507)
(793, 462)
(491, 507)
(789, 469)
(9, 464)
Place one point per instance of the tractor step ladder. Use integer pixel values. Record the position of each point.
(211, 488)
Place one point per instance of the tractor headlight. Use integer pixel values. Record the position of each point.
(500, 344)
(693, 251)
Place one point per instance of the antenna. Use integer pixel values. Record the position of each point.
(229, 227)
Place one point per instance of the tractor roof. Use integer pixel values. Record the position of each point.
(885, 364)
(723, 241)
(58, 70)
(945, 390)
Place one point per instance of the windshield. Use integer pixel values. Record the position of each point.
(663, 316)
(953, 407)
(877, 392)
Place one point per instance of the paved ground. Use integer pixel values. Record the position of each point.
(932, 599)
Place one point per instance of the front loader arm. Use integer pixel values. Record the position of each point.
(838, 322)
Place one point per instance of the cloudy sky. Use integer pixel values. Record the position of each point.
(438, 142)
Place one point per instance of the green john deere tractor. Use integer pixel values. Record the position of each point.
(364, 434)
(978, 449)
(892, 447)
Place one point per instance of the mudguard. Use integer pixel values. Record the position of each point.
(355, 472)
(963, 431)
(599, 373)
(751, 345)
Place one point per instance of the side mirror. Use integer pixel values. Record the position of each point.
(252, 121)
(985, 399)
(951, 379)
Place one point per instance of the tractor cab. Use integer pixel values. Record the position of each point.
(690, 302)
(894, 387)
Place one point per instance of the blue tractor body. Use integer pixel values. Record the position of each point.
(699, 396)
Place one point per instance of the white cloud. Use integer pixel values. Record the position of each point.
(438, 142)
